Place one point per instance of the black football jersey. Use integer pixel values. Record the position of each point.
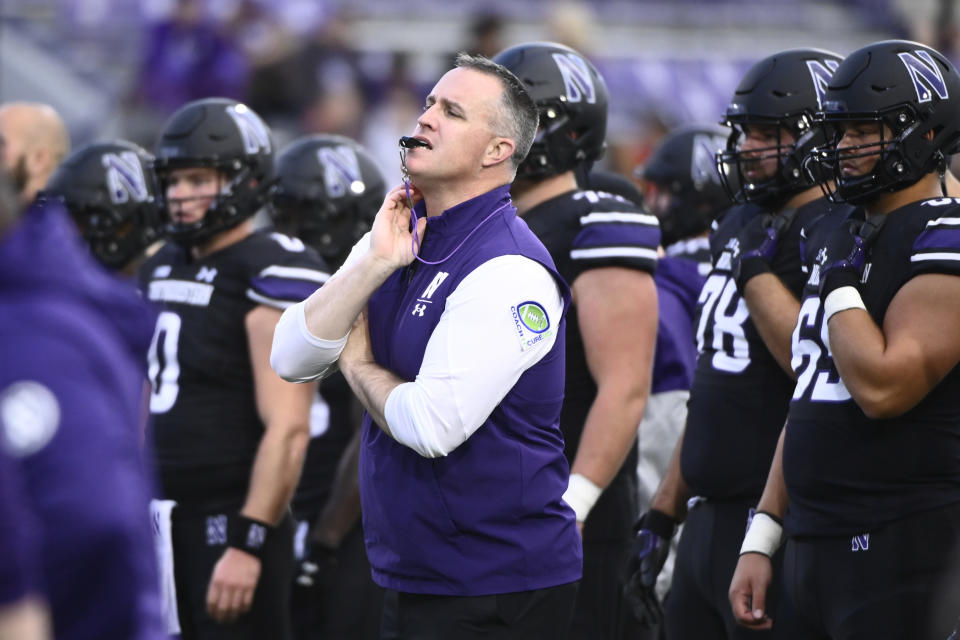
(847, 474)
(333, 419)
(204, 421)
(587, 230)
(740, 394)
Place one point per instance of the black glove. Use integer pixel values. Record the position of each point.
(758, 241)
(844, 255)
(316, 565)
(650, 550)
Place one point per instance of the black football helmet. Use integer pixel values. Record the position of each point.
(786, 90)
(683, 168)
(572, 98)
(111, 192)
(327, 193)
(911, 89)
(225, 135)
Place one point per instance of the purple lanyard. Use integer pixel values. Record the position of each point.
(415, 240)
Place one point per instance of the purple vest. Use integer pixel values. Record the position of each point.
(487, 518)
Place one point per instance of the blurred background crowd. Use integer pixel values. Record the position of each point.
(118, 68)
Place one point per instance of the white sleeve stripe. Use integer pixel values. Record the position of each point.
(614, 252)
(297, 273)
(270, 302)
(943, 222)
(919, 257)
(614, 216)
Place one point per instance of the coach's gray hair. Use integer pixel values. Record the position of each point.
(519, 117)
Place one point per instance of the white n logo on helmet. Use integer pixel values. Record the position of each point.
(925, 74)
(340, 169)
(252, 130)
(703, 163)
(125, 179)
(576, 77)
(821, 72)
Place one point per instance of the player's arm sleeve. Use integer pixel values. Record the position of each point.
(615, 239)
(937, 248)
(296, 354)
(477, 352)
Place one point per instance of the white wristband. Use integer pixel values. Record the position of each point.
(765, 535)
(581, 494)
(840, 300)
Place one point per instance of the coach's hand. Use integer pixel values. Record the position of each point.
(232, 585)
(748, 590)
(649, 553)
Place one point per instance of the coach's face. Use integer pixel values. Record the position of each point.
(457, 123)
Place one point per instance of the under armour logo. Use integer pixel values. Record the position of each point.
(822, 255)
(207, 274)
(860, 543)
(418, 310)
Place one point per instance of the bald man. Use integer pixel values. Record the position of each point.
(33, 141)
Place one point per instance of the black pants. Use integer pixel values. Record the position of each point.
(542, 614)
(900, 581)
(346, 604)
(198, 543)
(698, 605)
(601, 613)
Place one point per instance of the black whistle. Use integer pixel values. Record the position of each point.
(409, 142)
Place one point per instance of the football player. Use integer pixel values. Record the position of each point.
(110, 191)
(606, 248)
(869, 456)
(328, 191)
(746, 311)
(230, 436)
(682, 188)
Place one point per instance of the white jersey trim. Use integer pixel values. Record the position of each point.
(615, 216)
(295, 273)
(614, 252)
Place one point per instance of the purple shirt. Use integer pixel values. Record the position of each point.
(72, 343)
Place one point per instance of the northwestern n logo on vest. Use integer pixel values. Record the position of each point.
(421, 305)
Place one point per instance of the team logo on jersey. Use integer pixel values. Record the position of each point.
(29, 418)
(703, 165)
(532, 324)
(925, 74)
(216, 530)
(252, 130)
(820, 72)
(576, 78)
(860, 543)
(341, 171)
(125, 179)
